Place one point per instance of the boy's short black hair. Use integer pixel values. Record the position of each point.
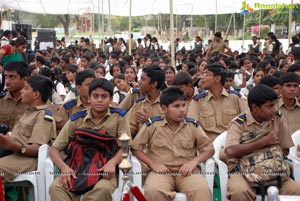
(182, 78)
(41, 84)
(289, 77)
(170, 95)
(72, 68)
(19, 66)
(294, 68)
(103, 84)
(260, 94)
(119, 76)
(218, 69)
(230, 74)
(156, 74)
(270, 81)
(40, 59)
(82, 75)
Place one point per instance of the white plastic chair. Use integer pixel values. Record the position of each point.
(35, 178)
(50, 175)
(293, 156)
(207, 169)
(220, 142)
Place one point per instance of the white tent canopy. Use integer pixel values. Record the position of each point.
(139, 7)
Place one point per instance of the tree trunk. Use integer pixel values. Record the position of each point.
(65, 21)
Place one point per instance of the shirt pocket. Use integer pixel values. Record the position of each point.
(26, 129)
(207, 120)
(228, 115)
(186, 148)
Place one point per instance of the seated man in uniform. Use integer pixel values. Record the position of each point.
(173, 141)
(152, 79)
(259, 130)
(82, 81)
(98, 117)
(11, 105)
(35, 127)
(216, 107)
(288, 103)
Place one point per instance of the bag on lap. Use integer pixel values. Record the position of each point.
(88, 151)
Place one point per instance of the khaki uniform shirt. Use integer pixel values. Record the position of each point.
(236, 130)
(56, 115)
(215, 115)
(153, 109)
(291, 116)
(129, 100)
(11, 111)
(172, 148)
(66, 113)
(218, 47)
(113, 123)
(36, 126)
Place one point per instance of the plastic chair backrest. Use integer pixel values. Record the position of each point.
(219, 142)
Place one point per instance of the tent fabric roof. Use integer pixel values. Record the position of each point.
(139, 7)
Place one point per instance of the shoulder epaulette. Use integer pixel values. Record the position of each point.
(135, 90)
(48, 115)
(2, 94)
(241, 119)
(78, 115)
(192, 120)
(279, 113)
(118, 110)
(140, 99)
(153, 119)
(70, 104)
(234, 92)
(200, 91)
(200, 95)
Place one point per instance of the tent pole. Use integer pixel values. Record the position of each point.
(226, 34)
(244, 19)
(172, 34)
(259, 22)
(102, 24)
(109, 18)
(290, 24)
(129, 27)
(216, 17)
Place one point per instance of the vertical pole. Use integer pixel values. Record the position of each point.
(129, 27)
(109, 18)
(172, 34)
(216, 17)
(290, 24)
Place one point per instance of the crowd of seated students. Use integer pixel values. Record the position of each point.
(204, 93)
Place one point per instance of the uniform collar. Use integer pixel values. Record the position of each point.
(165, 122)
(79, 102)
(281, 103)
(223, 93)
(89, 114)
(250, 119)
(9, 96)
(39, 107)
(156, 100)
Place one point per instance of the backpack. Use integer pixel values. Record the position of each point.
(88, 151)
(264, 167)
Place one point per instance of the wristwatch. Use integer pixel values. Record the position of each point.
(23, 149)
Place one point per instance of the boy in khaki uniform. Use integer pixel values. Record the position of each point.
(35, 127)
(288, 103)
(82, 80)
(98, 116)
(216, 107)
(11, 105)
(260, 117)
(173, 141)
(147, 106)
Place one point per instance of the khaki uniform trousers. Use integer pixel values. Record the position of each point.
(240, 190)
(102, 191)
(162, 187)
